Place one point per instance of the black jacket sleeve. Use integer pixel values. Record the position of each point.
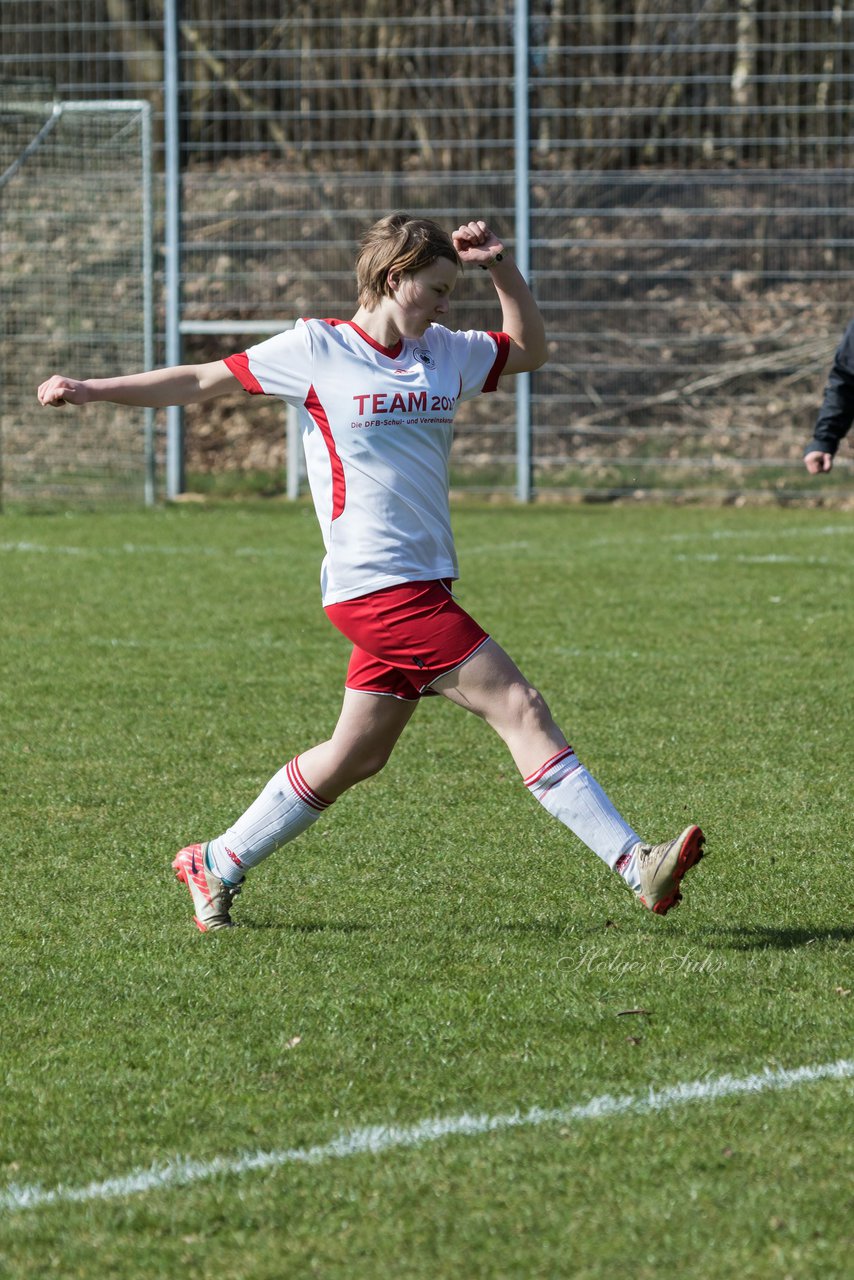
(837, 409)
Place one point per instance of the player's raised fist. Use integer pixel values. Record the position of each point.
(60, 390)
(475, 242)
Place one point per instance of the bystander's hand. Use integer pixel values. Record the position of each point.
(816, 462)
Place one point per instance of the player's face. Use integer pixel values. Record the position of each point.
(424, 297)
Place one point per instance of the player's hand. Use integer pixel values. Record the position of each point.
(60, 390)
(817, 462)
(476, 243)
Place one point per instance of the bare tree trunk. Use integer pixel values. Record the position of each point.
(551, 97)
(823, 90)
(143, 56)
(744, 67)
(246, 101)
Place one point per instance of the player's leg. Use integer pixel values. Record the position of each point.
(368, 728)
(492, 686)
(363, 739)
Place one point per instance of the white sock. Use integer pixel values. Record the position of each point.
(285, 808)
(574, 797)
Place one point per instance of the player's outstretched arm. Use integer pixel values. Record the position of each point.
(521, 320)
(182, 384)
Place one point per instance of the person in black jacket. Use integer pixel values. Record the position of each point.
(837, 408)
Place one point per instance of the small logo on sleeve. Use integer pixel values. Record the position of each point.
(425, 357)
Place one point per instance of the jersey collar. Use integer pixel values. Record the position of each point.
(391, 352)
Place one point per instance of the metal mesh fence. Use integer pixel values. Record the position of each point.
(695, 315)
(691, 171)
(75, 290)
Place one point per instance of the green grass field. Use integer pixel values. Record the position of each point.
(436, 947)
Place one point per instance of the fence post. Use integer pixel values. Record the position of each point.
(148, 295)
(523, 235)
(171, 104)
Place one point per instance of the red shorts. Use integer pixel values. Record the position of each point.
(405, 637)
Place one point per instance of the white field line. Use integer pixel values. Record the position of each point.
(377, 1139)
(712, 535)
(140, 549)
(714, 557)
(126, 549)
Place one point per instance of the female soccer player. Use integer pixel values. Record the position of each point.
(377, 396)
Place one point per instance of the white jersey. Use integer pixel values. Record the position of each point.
(377, 426)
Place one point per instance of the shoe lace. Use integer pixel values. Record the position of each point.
(229, 892)
(642, 852)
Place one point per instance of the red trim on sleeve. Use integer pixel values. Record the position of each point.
(339, 485)
(503, 341)
(239, 366)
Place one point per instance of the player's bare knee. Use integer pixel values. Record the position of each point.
(368, 762)
(527, 707)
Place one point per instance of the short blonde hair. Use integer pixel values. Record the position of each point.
(402, 243)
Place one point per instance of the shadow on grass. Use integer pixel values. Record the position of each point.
(308, 926)
(554, 928)
(736, 937)
(761, 937)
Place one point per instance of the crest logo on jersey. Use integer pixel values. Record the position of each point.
(425, 357)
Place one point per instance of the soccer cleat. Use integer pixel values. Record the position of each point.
(212, 897)
(662, 866)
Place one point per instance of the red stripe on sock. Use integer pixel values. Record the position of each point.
(550, 763)
(303, 790)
